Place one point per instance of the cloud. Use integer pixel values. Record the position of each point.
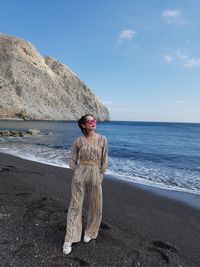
(192, 62)
(119, 109)
(188, 62)
(179, 102)
(112, 108)
(168, 58)
(180, 55)
(173, 16)
(171, 13)
(185, 60)
(127, 35)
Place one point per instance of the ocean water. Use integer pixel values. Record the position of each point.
(165, 155)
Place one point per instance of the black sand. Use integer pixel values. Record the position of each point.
(138, 227)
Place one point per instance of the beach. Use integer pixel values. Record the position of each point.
(138, 228)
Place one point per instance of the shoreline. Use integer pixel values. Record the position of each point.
(188, 198)
(139, 228)
(11, 119)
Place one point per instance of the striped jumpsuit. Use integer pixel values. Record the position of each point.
(88, 161)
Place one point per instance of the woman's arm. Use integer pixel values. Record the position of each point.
(73, 159)
(104, 159)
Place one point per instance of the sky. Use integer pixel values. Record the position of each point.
(141, 58)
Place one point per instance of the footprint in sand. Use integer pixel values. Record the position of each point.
(4, 242)
(22, 194)
(6, 168)
(159, 246)
(4, 194)
(24, 249)
(81, 262)
(162, 245)
(45, 210)
(104, 226)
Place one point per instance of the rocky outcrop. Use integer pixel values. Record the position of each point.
(33, 87)
(29, 132)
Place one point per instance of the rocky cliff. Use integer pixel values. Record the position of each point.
(33, 87)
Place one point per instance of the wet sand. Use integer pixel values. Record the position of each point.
(139, 228)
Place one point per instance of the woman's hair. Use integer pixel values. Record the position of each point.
(82, 120)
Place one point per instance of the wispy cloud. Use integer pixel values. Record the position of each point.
(179, 102)
(171, 13)
(185, 60)
(127, 35)
(168, 58)
(173, 16)
(122, 109)
(112, 108)
(188, 62)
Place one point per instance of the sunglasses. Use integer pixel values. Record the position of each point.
(91, 121)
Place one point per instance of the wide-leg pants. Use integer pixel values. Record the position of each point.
(85, 177)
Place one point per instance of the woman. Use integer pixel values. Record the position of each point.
(88, 161)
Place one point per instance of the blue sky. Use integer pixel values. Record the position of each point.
(142, 58)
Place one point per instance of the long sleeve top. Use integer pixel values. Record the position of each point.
(83, 150)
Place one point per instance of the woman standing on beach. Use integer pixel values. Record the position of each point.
(88, 160)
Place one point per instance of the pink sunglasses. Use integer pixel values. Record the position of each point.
(91, 121)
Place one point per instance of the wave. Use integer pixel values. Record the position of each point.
(148, 182)
(38, 153)
(129, 170)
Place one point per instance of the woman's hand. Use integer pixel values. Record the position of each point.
(102, 175)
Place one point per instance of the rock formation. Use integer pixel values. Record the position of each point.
(33, 87)
(29, 132)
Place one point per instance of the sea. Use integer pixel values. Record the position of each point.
(160, 154)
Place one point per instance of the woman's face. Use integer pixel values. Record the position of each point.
(90, 123)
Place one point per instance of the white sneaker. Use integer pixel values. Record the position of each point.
(86, 239)
(67, 248)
